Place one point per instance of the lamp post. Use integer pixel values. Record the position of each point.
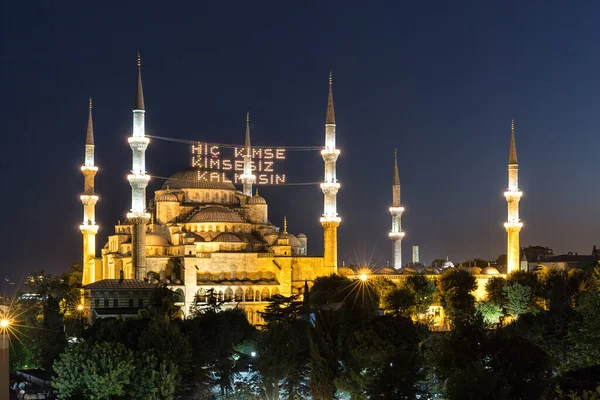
(80, 309)
(4, 368)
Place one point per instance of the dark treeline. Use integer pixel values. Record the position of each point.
(536, 336)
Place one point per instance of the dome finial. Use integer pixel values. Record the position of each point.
(256, 191)
(139, 59)
(284, 224)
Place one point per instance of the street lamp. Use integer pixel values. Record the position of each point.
(4, 369)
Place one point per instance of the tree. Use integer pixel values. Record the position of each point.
(99, 371)
(490, 312)
(164, 339)
(454, 293)
(495, 290)
(152, 379)
(400, 301)
(323, 357)
(518, 298)
(423, 290)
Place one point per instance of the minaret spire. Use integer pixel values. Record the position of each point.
(138, 179)
(247, 178)
(89, 138)
(512, 157)
(138, 102)
(330, 219)
(330, 118)
(89, 228)
(513, 196)
(396, 234)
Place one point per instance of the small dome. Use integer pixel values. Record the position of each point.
(473, 270)
(198, 178)
(227, 237)
(409, 271)
(256, 200)
(447, 264)
(216, 214)
(345, 271)
(490, 271)
(168, 196)
(154, 239)
(302, 236)
(387, 271)
(292, 240)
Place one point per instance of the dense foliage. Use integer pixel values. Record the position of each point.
(535, 336)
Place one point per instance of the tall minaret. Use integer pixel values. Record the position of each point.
(138, 181)
(513, 196)
(396, 234)
(89, 199)
(330, 219)
(247, 178)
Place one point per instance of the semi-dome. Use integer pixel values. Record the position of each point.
(490, 271)
(198, 178)
(227, 237)
(257, 200)
(216, 214)
(301, 236)
(154, 239)
(168, 196)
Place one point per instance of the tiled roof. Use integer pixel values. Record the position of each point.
(111, 284)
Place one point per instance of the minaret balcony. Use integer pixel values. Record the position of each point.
(88, 198)
(89, 228)
(138, 178)
(328, 218)
(513, 225)
(247, 177)
(330, 187)
(330, 154)
(396, 235)
(85, 168)
(142, 216)
(513, 194)
(138, 140)
(396, 210)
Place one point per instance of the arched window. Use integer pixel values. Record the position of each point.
(239, 294)
(218, 228)
(228, 294)
(275, 291)
(257, 296)
(207, 197)
(210, 228)
(265, 295)
(201, 296)
(251, 316)
(220, 295)
(180, 296)
(249, 294)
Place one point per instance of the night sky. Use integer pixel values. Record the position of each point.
(440, 81)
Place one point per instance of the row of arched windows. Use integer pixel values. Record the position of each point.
(218, 228)
(239, 295)
(217, 197)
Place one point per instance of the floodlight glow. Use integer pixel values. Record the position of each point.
(4, 323)
(363, 277)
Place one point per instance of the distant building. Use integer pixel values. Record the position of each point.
(567, 261)
(537, 253)
(415, 255)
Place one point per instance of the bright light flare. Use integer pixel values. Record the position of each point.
(80, 307)
(363, 277)
(4, 323)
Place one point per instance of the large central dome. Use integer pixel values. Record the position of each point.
(198, 178)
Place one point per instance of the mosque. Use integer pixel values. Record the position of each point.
(202, 235)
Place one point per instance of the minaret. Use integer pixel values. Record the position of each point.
(513, 196)
(247, 178)
(138, 181)
(396, 234)
(330, 219)
(89, 199)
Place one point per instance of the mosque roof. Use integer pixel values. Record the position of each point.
(293, 240)
(197, 178)
(167, 196)
(216, 214)
(154, 239)
(257, 200)
(490, 271)
(120, 284)
(228, 237)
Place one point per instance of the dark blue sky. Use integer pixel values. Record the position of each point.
(438, 80)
